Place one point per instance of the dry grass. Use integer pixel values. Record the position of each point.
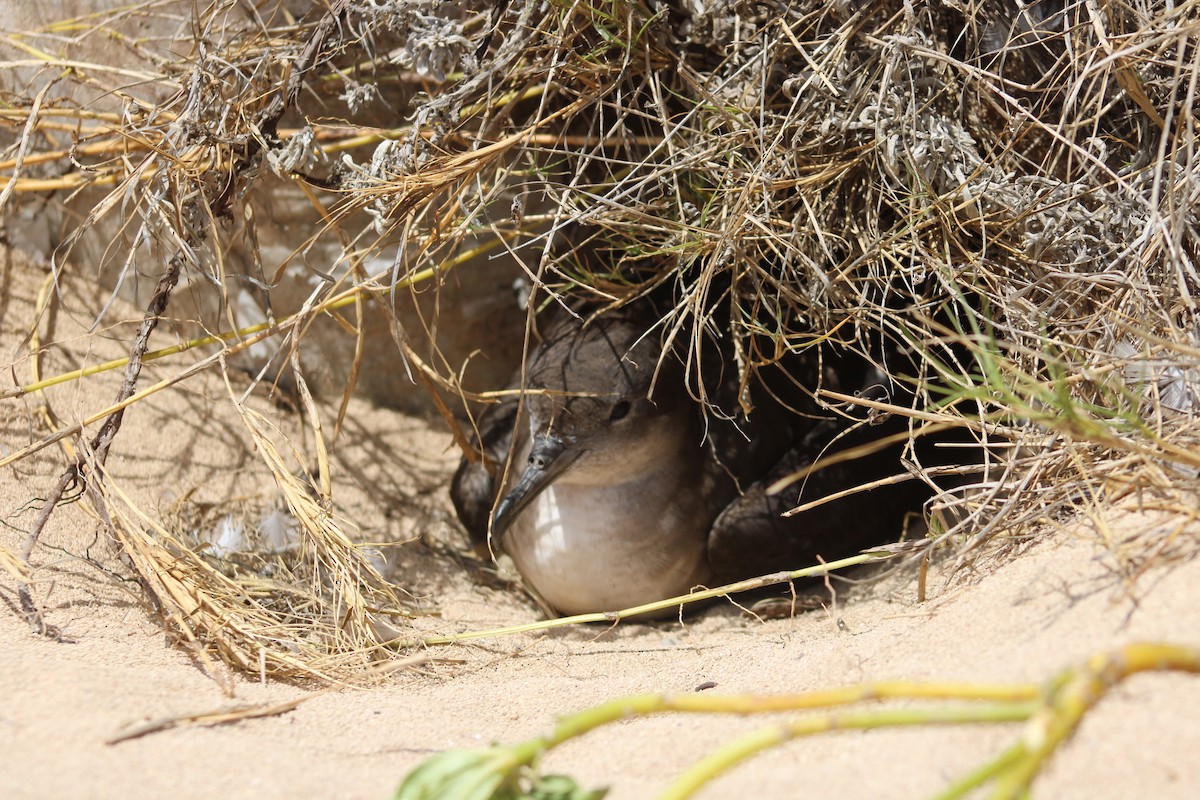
(1004, 200)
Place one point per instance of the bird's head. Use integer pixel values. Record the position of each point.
(600, 410)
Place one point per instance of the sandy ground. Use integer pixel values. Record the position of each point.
(1055, 602)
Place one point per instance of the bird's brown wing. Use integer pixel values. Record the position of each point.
(751, 536)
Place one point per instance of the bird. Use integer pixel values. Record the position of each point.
(609, 486)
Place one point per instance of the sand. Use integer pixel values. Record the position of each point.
(1051, 601)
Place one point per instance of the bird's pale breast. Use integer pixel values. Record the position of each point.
(591, 548)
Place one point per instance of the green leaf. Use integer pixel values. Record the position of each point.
(559, 787)
(460, 775)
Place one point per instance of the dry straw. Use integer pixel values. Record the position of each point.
(997, 201)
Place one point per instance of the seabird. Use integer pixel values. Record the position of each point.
(621, 491)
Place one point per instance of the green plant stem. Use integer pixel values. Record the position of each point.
(1073, 693)
(981, 775)
(739, 750)
(1051, 711)
(1011, 703)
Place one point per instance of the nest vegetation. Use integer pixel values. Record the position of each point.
(996, 200)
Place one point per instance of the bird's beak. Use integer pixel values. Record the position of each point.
(548, 458)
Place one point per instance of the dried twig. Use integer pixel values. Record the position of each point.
(102, 442)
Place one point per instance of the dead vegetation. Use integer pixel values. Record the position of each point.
(1006, 191)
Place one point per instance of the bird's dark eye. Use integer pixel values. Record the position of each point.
(619, 410)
